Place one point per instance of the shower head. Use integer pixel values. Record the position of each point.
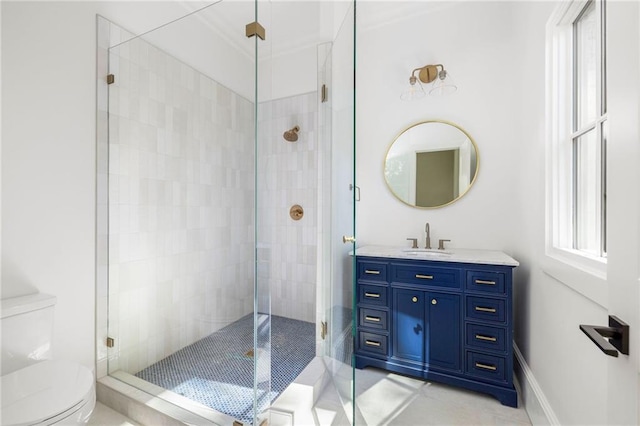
(291, 135)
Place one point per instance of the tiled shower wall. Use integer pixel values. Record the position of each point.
(181, 205)
(288, 175)
(181, 238)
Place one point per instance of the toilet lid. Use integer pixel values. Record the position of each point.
(44, 390)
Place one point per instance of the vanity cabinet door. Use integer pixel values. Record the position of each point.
(427, 328)
(408, 324)
(444, 340)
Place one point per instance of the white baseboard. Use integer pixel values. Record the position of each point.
(535, 402)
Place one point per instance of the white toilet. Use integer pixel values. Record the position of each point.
(37, 390)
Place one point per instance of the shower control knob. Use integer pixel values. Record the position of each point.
(296, 212)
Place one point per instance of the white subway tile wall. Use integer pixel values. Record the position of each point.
(288, 175)
(181, 205)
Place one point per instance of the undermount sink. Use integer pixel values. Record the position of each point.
(426, 252)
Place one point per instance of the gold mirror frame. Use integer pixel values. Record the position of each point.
(461, 193)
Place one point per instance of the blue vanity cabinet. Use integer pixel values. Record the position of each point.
(449, 322)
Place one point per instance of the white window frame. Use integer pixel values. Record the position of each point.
(579, 270)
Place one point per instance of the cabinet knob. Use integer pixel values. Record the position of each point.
(414, 299)
(434, 302)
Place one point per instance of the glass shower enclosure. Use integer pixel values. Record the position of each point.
(229, 194)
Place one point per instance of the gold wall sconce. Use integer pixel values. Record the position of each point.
(436, 74)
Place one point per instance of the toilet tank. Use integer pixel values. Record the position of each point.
(27, 330)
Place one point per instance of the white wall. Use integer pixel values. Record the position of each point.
(289, 74)
(48, 162)
(482, 56)
(571, 372)
(288, 64)
(0, 150)
(48, 183)
(496, 53)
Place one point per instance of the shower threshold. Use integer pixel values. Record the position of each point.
(147, 403)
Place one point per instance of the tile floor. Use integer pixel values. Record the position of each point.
(105, 416)
(389, 399)
(217, 371)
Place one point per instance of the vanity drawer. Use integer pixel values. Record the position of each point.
(485, 309)
(372, 294)
(487, 367)
(374, 343)
(485, 337)
(372, 271)
(485, 282)
(373, 318)
(425, 275)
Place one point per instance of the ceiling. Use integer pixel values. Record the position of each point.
(289, 25)
(292, 25)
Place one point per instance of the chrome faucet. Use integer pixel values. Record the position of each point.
(426, 228)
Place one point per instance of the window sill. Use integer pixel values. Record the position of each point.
(585, 275)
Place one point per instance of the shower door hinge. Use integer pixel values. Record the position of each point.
(357, 188)
(264, 422)
(255, 29)
(324, 93)
(111, 79)
(111, 342)
(323, 330)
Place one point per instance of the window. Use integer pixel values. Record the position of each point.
(589, 131)
(576, 186)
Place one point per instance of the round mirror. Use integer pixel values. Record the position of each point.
(431, 164)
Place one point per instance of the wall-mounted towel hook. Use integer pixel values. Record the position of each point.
(617, 333)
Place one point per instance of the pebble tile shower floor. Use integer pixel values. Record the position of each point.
(217, 371)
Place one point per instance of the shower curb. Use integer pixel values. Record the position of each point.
(123, 393)
(148, 409)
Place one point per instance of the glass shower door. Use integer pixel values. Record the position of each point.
(337, 88)
(188, 311)
(262, 50)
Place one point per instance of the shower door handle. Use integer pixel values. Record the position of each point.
(347, 239)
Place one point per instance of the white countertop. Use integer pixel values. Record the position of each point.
(486, 257)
